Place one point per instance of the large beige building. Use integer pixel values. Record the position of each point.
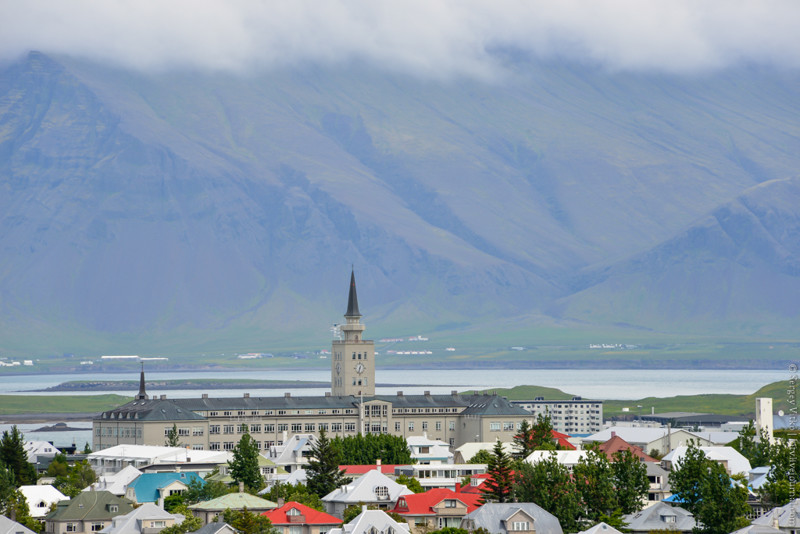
(351, 407)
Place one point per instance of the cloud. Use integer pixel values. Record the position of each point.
(423, 37)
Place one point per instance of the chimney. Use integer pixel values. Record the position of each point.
(327, 393)
(163, 397)
(205, 395)
(458, 487)
(378, 462)
(363, 508)
(287, 395)
(613, 434)
(427, 393)
(399, 393)
(281, 501)
(454, 393)
(246, 395)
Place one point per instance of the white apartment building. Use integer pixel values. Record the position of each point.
(575, 416)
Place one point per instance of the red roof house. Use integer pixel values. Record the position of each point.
(291, 515)
(437, 508)
(616, 444)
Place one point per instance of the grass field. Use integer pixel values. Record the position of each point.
(35, 404)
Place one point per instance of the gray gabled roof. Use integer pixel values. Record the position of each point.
(151, 410)
(186, 409)
(8, 526)
(90, 506)
(652, 518)
(493, 405)
(216, 528)
(492, 517)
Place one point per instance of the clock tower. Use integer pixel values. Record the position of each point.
(352, 358)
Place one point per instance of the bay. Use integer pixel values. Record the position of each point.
(589, 383)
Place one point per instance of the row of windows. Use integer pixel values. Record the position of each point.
(438, 425)
(122, 432)
(507, 426)
(333, 411)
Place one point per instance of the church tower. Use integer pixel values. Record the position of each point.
(352, 358)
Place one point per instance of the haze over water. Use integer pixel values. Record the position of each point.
(589, 383)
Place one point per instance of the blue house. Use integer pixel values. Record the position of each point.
(155, 487)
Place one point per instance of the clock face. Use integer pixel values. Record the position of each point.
(338, 368)
(360, 368)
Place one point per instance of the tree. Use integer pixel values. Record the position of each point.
(172, 437)
(189, 524)
(481, 457)
(323, 471)
(630, 481)
(523, 441)
(13, 504)
(87, 449)
(411, 483)
(498, 486)
(14, 457)
(368, 449)
(248, 522)
(297, 493)
(243, 466)
(542, 434)
(549, 484)
(757, 449)
(594, 480)
(718, 505)
(70, 479)
(686, 478)
(204, 490)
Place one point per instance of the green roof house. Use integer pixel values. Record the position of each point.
(89, 511)
(209, 510)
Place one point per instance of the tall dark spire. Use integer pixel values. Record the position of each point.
(352, 299)
(141, 395)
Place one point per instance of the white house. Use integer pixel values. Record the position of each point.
(567, 458)
(372, 522)
(429, 451)
(116, 483)
(39, 449)
(730, 458)
(40, 498)
(293, 453)
(146, 519)
(373, 488)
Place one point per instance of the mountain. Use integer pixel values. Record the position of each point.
(737, 268)
(183, 211)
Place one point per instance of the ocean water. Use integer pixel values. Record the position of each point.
(589, 383)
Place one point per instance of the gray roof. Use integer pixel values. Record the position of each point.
(90, 506)
(788, 515)
(131, 523)
(652, 518)
(216, 528)
(8, 526)
(493, 405)
(185, 409)
(600, 528)
(151, 410)
(758, 529)
(492, 516)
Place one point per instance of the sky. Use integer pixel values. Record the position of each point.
(421, 37)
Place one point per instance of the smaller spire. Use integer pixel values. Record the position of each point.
(352, 299)
(142, 395)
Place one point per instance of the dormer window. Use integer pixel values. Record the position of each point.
(382, 492)
(450, 503)
(668, 518)
(520, 525)
(113, 508)
(293, 511)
